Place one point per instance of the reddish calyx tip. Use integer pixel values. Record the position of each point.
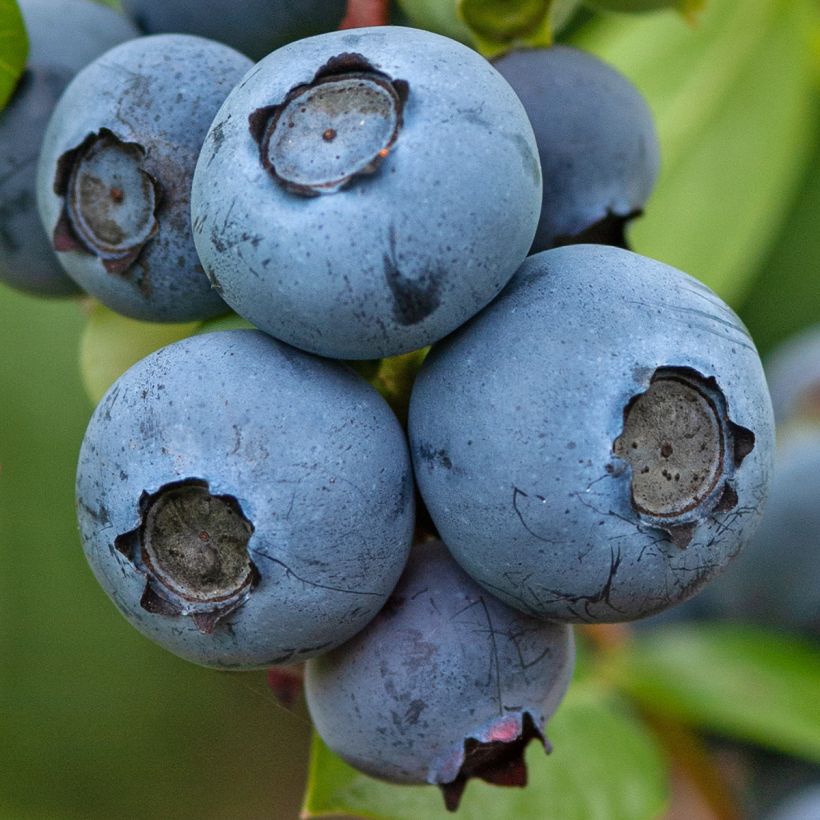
(499, 760)
(505, 730)
(286, 683)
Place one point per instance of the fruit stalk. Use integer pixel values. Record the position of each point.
(362, 13)
(607, 637)
(697, 777)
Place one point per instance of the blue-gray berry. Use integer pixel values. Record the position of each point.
(596, 140)
(776, 580)
(64, 36)
(114, 179)
(596, 444)
(254, 27)
(802, 804)
(243, 503)
(362, 193)
(447, 683)
(793, 373)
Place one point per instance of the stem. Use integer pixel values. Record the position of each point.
(699, 789)
(86, 305)
(286, 683)
(607, 637)
(364, 13)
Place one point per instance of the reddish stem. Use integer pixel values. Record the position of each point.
(364, 13)
(700, 791)
(286, 683)
(606, 637)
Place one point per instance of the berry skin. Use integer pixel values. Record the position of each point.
(447, 683)
(64, 36)
(596, 140)
(254, 27)
(115, 172)
(363, 193)
(776, 581)
(244, 504)
(596, 444)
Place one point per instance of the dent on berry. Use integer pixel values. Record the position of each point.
(110, 201)
(192, 547)
(414, 299)
(683, 449)
(327, 132)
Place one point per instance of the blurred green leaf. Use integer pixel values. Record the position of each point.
(785, 294)
(747, 683)
(230, 321)
(733, 103)
(13, 48)
(111, 343)
(440, 16)
(497, 25)
(605, 767)
(688, 8)
(491, 25)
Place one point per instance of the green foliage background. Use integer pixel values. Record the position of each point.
(13, 48)
(96, 722)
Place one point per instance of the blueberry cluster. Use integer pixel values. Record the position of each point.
(588, 440)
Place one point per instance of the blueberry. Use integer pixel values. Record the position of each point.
(243, 503)
(115, 172)
(597, 443)
(793, 372)
(254, 27)
(765, 779)
(802, 805)
(447, 683)
(596, 140)
(364, 192)
(64, 36)
(776, 581)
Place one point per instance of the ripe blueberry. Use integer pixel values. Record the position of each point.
(597, 443)
(447, 683)
(64, 36)
(362, 193)
(115, 173)
(800, 805)
(793, 373)
(776, 580)
(254, 27)
(243, 503)
(596, 140)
